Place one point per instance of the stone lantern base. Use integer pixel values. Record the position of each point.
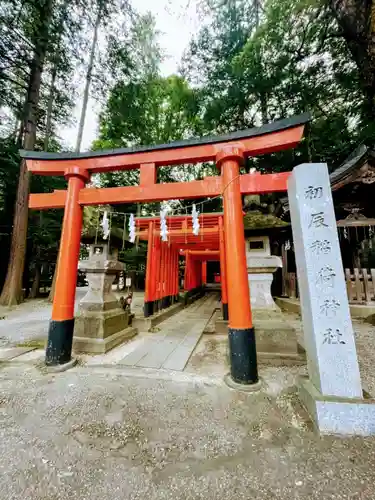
(98, 332)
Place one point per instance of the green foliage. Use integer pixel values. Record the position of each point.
(152, 111)
(252, 70)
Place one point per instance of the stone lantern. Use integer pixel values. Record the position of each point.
(260, 268)
(101, 323)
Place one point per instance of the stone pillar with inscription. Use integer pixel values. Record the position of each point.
(333, 393)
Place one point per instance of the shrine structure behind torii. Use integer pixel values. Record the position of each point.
(228, 151)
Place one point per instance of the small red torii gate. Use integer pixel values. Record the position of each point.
(228, 151)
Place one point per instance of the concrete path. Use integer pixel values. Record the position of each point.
(171, 347)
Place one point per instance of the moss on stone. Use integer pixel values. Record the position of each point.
(34, 343)
(257, 220)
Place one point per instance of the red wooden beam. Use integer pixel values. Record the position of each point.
(209, 187)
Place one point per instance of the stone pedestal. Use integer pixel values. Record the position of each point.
(276, 339)
(101, 323)
(260, 268)
(333, 394)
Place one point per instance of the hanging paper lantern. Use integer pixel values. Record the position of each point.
(195, 217)
(105, 225)
(345, 233)
(131, 229)
(287, 245)
(163, 226)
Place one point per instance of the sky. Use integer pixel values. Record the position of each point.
(177, 20)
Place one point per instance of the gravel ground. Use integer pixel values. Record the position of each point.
(29, 321)
(98, 434)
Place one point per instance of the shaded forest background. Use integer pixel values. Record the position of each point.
(251, 62)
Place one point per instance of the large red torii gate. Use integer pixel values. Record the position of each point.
(228, 151)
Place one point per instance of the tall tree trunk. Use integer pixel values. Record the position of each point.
(356, 19)
(88, 79)
(12, 289)
(51, 99)
(34, 292)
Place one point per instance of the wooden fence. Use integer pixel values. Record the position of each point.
(291, 286)
(360, 284)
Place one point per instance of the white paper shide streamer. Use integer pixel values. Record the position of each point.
(131, 229)
(105, 225)
(163, 225)
(195, 220)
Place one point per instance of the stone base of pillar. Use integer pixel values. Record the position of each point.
(274, 335)
(100, 331)
(334, 415)
(242, 387)
(276, 340)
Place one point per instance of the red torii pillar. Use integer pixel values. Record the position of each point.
(241, 332)
(61, 327)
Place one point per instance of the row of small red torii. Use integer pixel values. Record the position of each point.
(162, 269)
(229, 152)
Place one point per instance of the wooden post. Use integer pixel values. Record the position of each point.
(284, 269)
(358, 285)
(223, 272)
(61, 327)
(158, 274)
(186, 275)
(204, 273)
(242, 347)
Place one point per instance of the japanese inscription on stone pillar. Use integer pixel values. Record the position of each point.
(329, 339)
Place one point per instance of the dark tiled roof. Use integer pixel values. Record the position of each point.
(349, 165)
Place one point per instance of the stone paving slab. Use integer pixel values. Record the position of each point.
(13, 352)
(156, 357)
(172, 347)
